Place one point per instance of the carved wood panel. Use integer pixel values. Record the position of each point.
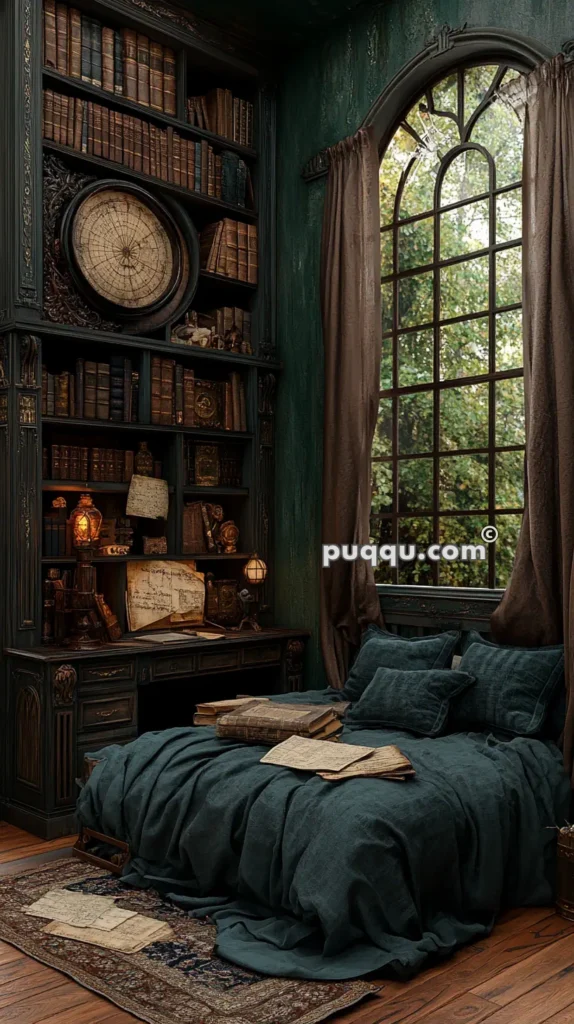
(28, 734)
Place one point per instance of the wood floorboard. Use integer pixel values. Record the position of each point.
(521, 974)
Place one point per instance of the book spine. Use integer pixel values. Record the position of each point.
(179, 399)
(242, 264)
(188, 397)
(103, 391)
(234, 379)
(64, 120)
(236, 118)
(48, 114)
(118, 64)
(44, 391)
(242, 407)
(129, 141)
(75, 472)
(152, 150)
(155, 390)
(167, 403)
(108, 59)
(231, 268)
(218, 176)
(177, 159)
(252, 254)
(227, 406)
(50, 396)
(143, 69)
(62, 39)
(163, 156)
(169, 135)
(210, 171)
(248, 124)
(55, 450)
(72, 399)
(128, 466)
(78, 122)
(75, 43)
(127, 391)
(169, 78)
(204, 166)
(145, 148)
(85, 118)
(197, 167)
(105, 133)
(97, 141)
(84, 456)
(130, 75)
(56, 115)
(137, 144)
(86, 49)
(65, 462)
(156, 76)
(90, 389)
(95, 465)
(116, 411)
(62, 395)
(96, 53)
(50, 34)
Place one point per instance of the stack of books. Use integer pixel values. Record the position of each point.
(272, 722)
(229, 247)
(178, 398)
(222, 113)
(208, 712)
(212, 465)
(122, 62)
(94, 391)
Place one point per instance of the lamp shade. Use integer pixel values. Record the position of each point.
(86, 522)
(255, 570)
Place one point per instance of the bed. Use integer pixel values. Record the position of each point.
(307, 878)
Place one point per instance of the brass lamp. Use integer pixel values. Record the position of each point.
(255, 573)
(86, 523)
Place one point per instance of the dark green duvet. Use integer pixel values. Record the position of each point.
(312, 879)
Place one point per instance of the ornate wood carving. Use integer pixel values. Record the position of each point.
(444, 39)
(29, 349)
(27, 412)
(4, 373)
(62, 303)
(27, 518)
(294, 652)
(4, 409)
(64, 756)
(63, 685)
(27, 289)
(199, 28)
(28, 731)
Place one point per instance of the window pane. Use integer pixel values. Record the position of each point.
(465, 229)
(461, 530)
(499, 131)
(445, 94)
(398, 154)
(509, 216)
(416, 299)
(387, 306)
(477, 82)
(416, 241)
(510, 411)
(415, 358)
(417, 531)
(509, 354)
(464, 348)
(418, 192)
(382, 441)
(416, 423)
(382, 487)
(508, 529)
(509, 276)
(386, 364)
(509, 479)
(386, 253)
(467, 176)
(464, 417)
(382, 533)
(464, 288)
(415, 484)
(464, 482)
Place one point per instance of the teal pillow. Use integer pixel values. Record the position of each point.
(415, 700)
(514, 687)
(380, 649)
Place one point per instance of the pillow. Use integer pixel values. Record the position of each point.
(514, 686)
(380, 649)
(415, 700)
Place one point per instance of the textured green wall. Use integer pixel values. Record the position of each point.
(325, 93)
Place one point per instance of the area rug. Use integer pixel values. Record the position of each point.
(180, 981)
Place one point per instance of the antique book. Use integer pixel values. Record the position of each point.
(130, 55)
(103, 392)
(169, 77)
(65, 462)
(143, 69)
(127, 390)
(235, 399)
(50, 35)
(55, 461)
(169, 137)
(176, 159)
(86, 49)
(204, 166)
(156, 74)
(145, 148)
(96, 32)
(163, 156)
(148, 497)
(223, 707)
(242, 251)
(62, 394)
(197, 167)
(75, 43)
(116, 388)
(57, 116)
(48, 114)
(271, 735)
(62, 38)
(118, 64)
(338, 709)
(63, 120)
(137, 144)
(155, 389)
(167, 389)
(208, 404)
(84, 456)
(228, 406)
(110, 621)
(75, 467)
(314, 755)
(78, 123)
(96, 465)
(179, 401)
(97, 139)
(128, 466)
(242, 407)
(90, 389)
(207, 465)
(284, 717)
(193, 541)
(108, 59)
(188, 397)
(163, 593)
(252, 258)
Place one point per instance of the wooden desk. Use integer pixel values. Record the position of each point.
(61, 704)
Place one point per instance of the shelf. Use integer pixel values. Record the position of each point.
(66, 421)
(239, 492)
(203, 557)
(93, 487)
(57, 80)
(210, 204)
(231, 282)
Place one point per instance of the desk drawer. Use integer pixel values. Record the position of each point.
(262, 655)
(177, 665)
(103, 712)
(219, 659)
(111, 672)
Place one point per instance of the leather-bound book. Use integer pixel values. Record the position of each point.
(90, 128)
(208, 412)
(247, 326)
(84, 463)
(45, 464)
(71, 113)
(206, 465)
(64, 120)
(164, 155)
(197, 167)
(119, 122)
(118, 64)
(48, 114)
(169, 136)
(118, 466)
(127, 382)
(50, 43)
(169, 77)
(135, 395)
(242, 176)
(193, 541)
(55, 462)
(228, 114)
(85, 122)
(222, 260)
(229, 162)
(129, 155)
(116, 389)
(109, 465)
(242, 407)
(97, 142)
(152, 150)
(78, 123)
(252, 256)
(50, 396)
(204, 166)
(231, 264)
(156, 390)
(179, 406)
(210, 171)
(138, 164)
(96, 28)
(72, 398)
(248, 124)
(62, 38)
(130, 53)
(96, 465)
(128, 466)
(275, 721)
(242, 251)
(103, 392)
(188, 397)
(62, 394)
(235, 381)
(190, 163)
(228, 406)
(236, 118)
(143, 69)
(64, 462)
(44, 391)
(145, 148)
(90, 388)
(56, 116)
(176, 159)
(218, 176)
(167, 412)
(75, 43)
(155, 75)
(108, 59)
(105, 133)
(75, 471)
(86, 49)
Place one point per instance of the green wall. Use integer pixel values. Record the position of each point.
(325, 93)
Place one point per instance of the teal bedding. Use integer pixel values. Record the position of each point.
(311, 879)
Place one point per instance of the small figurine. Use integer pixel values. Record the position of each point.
(228, 535)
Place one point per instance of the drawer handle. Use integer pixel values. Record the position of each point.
(107, 714)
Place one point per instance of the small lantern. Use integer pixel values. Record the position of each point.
(86, 523)
(255, 571)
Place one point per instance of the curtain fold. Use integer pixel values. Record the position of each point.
(538, 606)
(351, 314)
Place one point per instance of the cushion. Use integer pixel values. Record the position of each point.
(514, 687)
(380, 649)
(413, 700)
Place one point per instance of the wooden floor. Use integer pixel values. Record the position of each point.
(522, 974)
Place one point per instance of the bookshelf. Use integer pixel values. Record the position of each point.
(48, 319)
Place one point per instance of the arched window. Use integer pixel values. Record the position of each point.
(448, 453)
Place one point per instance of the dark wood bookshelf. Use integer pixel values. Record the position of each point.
(238, 492)
(237, 556)
(212, 435)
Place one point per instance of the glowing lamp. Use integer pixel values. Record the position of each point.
(86, 523)
(255, 571)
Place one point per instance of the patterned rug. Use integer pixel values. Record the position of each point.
(176, 982)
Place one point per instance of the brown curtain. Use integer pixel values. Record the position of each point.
(538, 606)
(351, 310)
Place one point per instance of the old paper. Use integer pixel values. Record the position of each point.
(384, 760)
(80, 909)
(129, 937)
(163, 592)
(314, 755)
(148, 497)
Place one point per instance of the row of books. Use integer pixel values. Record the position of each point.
(178, 399)
(222, 113)
(257, 720)
(98, 131)
(94, 391)
(57, 532)
(97, 465)
(229, 247)
(212, 465)
(122, 62)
